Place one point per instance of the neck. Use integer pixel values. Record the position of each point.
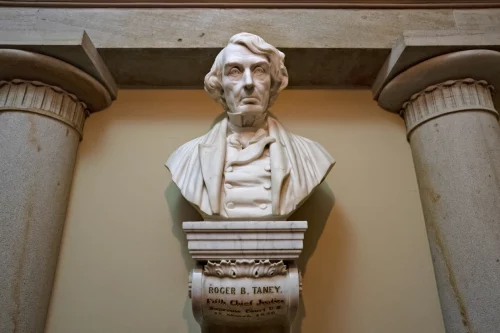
(246, 123)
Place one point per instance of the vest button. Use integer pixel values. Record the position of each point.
(230, 205)
(267, 186)
(267, 168)
(263, 206)
(229, 169)
(228, 186)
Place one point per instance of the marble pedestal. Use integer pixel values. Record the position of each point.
(245, 277)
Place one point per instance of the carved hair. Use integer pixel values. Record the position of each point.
(254, 43)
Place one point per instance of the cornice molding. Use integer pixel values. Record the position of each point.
(252, 240)
(326, 4)
(322, 49)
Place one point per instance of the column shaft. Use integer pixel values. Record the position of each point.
(40, 128)
(455, 139)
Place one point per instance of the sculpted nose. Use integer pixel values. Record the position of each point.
(248, 80)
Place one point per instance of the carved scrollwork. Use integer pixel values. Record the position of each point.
(245, 268)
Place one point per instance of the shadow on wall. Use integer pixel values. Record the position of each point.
(181, 210)
(316, 211)
(350, 126)
(333, 279)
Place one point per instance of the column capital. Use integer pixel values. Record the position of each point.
(449, 83)
(445, 98)
(40, 98)
(34, 67)
(57, 75)
(478, 65)
(415, 47)
(66, 59)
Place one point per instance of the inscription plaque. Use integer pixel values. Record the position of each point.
(246, 292)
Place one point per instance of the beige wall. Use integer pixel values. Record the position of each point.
(124, 264)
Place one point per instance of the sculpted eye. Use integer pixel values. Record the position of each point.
(234, 71)
(259, 70)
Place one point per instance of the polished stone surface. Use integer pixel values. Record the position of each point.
(258, 287)
(256, 294)
(210, 240)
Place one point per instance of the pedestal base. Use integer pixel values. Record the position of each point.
(246, 277)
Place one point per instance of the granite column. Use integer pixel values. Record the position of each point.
(43, 106)
(452, 126)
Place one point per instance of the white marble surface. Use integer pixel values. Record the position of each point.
(243, 300)
(248, 166)
(246, 274)
(209, 240)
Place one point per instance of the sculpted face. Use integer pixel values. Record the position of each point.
(246, 80)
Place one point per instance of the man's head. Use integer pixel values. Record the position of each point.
(247, 75)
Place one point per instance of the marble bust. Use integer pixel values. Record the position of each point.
(248, 167)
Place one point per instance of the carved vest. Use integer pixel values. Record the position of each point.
(247, 188)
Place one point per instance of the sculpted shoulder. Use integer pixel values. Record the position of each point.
(189, 150)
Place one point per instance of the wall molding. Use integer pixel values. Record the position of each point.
(326, 4)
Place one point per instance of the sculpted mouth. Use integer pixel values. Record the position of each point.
(250, 101)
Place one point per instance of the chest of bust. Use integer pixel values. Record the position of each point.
(247, 189)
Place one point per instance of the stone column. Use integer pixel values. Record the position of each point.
(43, 106)
(454, 134)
